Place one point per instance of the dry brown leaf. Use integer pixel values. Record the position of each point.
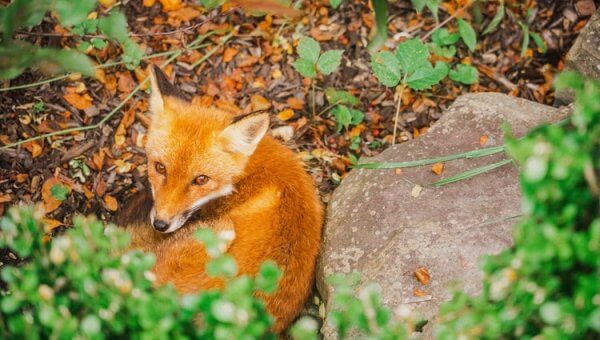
(185, 14)
(111, 203)
(34, 148)
(5, 198)
(296, 103)
(50, 202)
(437, 168)
(81, 102)
(267, 6)
(51, 224)
(229, 53)
(259, 103)
(21, 178)
(286, 114)
(422, 275)
(125, 83)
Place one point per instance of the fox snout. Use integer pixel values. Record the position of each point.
(165, 224)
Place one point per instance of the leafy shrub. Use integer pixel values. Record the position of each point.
(548, 284)
(85, 284)
(76, 16)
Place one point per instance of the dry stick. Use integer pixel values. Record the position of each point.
(399, 93)
(122, 103)
(447, 20)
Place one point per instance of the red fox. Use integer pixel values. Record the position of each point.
(208, 168)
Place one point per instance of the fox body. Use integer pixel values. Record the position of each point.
(209, 169)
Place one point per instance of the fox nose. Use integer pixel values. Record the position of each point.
(160, 225)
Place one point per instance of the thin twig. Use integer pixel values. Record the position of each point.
(399, 93)
(192, 45)
(447, 20)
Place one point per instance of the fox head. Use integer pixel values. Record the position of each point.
(195, 154)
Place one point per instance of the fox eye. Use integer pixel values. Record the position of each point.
(160, 168)
(200, 180)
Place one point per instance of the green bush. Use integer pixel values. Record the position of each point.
(548, 284)
(18, 55)
(86, 284)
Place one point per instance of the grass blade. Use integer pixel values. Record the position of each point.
(409, 164)
(471, 173)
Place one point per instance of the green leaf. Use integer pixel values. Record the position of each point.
(434, 7)
(309, 49)
(305, 67)
(357, 116)
(525, 41)
(73, 12)
(465, 74)
(329, 61)
(443, 37)
(132, 54)
(268, 277)
(99, 43)
(539, 41)
(335, 3)
(114, 26)
(427, 76)
(418, 5)
(343, 117)
(222, 266)
(59, 192)
(444, 52)
(340, 97)
(467, 33)
(211, 4)
(496, 20)
(412, 55)
(386, 68)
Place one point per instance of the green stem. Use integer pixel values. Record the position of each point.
(471, 173)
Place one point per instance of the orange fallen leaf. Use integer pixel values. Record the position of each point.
(285, 114)
(437, 168)
(398, 171)
(483, 140)
(295, 103)
(50, 202)
(149, 3)
(125, 83)
(419, 293)
(422, 275)
(111, 203)
(259, 103)
(79, 101)
(170, 5)
(185, 14)
(34, 148)
(5, 198)
(51, 224)
(229, 54)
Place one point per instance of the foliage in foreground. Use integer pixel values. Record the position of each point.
(548, 283)
(85, 284)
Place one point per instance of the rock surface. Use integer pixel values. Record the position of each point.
(584, 56)
(375, 225)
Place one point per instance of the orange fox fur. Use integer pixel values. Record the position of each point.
(272, 212)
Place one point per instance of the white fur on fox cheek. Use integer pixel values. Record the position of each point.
(179, 220)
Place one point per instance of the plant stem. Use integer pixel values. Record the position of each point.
(314, 101)
(175, 54)
(399, 93)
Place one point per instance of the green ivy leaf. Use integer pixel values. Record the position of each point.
(114, 26)
(412, 55)
(335, 3)
(386, 68)
(309, 49)
(305, 67)
(427, 76)
(443, 37)
(73, 12)
(329, 61)
(340, 97)
(496, 20)
(465, 74)
(467, 33)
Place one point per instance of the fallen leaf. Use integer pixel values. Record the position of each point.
(49, 199)
(416, 191)
(185, 14)
(437, 168)
(483, 140)
(149, 3)
(125, 83)
(259, 103)
(285, 114)
(170, 5)
(423, 275)
(398, 171)
(111, 203)
(5, 198)
(419, 293)
(51, 224)
(296, 103)
(79, 101)
(34, 148)
(229, 53)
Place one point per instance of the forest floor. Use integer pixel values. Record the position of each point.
(99, 168)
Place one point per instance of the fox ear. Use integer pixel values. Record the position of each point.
(244, 135)
(161, 87)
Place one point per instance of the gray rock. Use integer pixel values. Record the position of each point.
(375, 226)
(584, 56)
